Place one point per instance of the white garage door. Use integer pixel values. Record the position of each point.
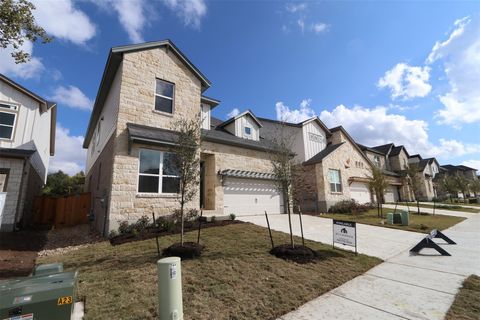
(360, 192)
(391, 194)
(251, 197)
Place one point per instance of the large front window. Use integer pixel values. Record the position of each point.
(7, 121)
(164, 96)
(335, 181)
(158, 172)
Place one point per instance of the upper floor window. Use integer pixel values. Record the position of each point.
(335, 181)
(248, 131)
(164, 96)
(7, 120)
(377, 162)
(158, 172)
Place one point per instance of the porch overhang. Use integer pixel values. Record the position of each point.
(16, 153)
(150, 135)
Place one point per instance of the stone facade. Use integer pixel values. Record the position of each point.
(136, 105)
(399, 162)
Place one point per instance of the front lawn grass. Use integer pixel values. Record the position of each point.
(418, 223)
(467, 301)
(442, 206)
(235, 278)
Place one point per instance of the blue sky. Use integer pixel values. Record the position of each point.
(402, 72)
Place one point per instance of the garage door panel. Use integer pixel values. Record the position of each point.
(251, 197)
(360, 192)
(391, 194)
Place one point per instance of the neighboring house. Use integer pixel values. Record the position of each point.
(131, 138)
(395, 180)
(467, 172)
(27, 140)
(428, 169)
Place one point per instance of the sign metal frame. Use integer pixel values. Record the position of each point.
(350, 224)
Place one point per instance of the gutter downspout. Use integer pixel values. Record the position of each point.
(20, 193)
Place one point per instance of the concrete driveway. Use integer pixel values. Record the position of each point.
(404, 286)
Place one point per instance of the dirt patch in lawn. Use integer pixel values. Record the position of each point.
(467, 301)
(19, 250)
(298, 253)
(189, 250)
(235, 278)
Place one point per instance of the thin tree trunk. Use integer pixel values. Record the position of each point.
(289, 219)
(182, 203)
(418, 207)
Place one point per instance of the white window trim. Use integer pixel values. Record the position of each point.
(245, 131)
(15, 113)
(172, 98)
(160, 174)
(334, 182)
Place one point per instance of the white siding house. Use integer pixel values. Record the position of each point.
(27, 140)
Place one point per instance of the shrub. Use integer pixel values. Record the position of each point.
(142, 223)
(123, 227)
(166, 223)
(350, 206)
(112, 234)
(232, 216)
(189, 215)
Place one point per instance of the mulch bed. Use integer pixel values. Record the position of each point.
(299, 254)
(150, 233)
(189, 250)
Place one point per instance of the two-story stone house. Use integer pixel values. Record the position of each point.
(427, 171)
(467, 172)
(131, 140)
(27, 140)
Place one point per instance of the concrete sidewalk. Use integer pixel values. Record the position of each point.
(405, 286)
(383, 243)
(430, 210)
(453, 204)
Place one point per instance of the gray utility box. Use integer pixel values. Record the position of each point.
(39, 297)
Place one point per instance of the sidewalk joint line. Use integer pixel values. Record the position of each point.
(367, 305)
(429, 269)
(410, 284)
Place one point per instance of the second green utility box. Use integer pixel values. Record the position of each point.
(39, 297)
(405, 218)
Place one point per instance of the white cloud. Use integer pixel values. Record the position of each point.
(69, 155)
(30, 69)
(233, 113)
(190, 11)
(131, 15)
(449, 148)
(472, 163)
(285, 113)
(460, 55)
(73, 97)
(320, 27)
(61, 19)
(301, 24)
(405, 81)
(295, 7)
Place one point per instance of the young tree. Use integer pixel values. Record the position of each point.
(461, 183)
(187, 162)
(17, 25)
(447, 185)
(378, 184)
(414, 182)
(475, 187)
(283, 164)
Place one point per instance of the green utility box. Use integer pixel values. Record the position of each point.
(39, 297)
(389, 217)
(46, 269)
(405, 218)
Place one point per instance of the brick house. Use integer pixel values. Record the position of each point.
(131, 139)
(27, 140)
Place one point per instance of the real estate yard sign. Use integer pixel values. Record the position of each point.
(345, 232)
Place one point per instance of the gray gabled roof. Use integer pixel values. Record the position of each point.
(247, 112)
(210, 101)
(385, 148)
(322, 154)
(115, 57)
(219, 135)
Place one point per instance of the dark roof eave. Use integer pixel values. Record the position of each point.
(235, 143)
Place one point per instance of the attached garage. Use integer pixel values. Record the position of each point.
(360, 192)
(391, 194)
(246, 196)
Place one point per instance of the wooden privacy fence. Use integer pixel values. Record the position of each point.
(62, 211)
